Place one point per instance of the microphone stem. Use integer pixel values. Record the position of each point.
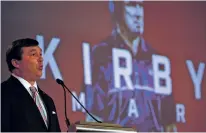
(65, 111)
(82, 105)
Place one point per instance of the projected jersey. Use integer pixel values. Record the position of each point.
(122, 86)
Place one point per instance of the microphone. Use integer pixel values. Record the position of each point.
(65, 105)
(59, 81)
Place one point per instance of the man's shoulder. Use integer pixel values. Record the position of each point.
(7, 88)
(147, 47)
(6, 84)
(102, 52)
(146, 51)
(104, 45)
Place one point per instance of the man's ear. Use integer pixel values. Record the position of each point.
(15, 63)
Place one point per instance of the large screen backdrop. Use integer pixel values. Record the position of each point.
(160, 82)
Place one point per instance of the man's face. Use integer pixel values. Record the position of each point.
(31, 64)
(134, 17)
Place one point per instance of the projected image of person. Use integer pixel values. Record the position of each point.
(122, 89)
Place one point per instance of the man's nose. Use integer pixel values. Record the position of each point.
(41, 58)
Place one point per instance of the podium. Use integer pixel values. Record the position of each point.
(102, 127)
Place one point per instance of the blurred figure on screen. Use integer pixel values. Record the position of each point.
(24, 106)
(115, 98)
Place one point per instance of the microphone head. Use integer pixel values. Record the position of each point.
(59, 81)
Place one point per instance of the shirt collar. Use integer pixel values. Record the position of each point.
(25, 83)
(135, 46)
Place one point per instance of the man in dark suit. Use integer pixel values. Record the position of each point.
(24, 106)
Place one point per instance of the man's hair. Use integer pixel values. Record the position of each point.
(116, 10)
(15, 51)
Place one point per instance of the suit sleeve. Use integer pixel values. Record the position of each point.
(6, 110)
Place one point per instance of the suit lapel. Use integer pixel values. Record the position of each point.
(47, 106)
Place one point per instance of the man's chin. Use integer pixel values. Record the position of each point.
(39, 75)
(136, 34)
(138, 31)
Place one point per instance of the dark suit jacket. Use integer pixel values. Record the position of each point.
(19, 112)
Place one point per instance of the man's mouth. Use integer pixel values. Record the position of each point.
(41, 67)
